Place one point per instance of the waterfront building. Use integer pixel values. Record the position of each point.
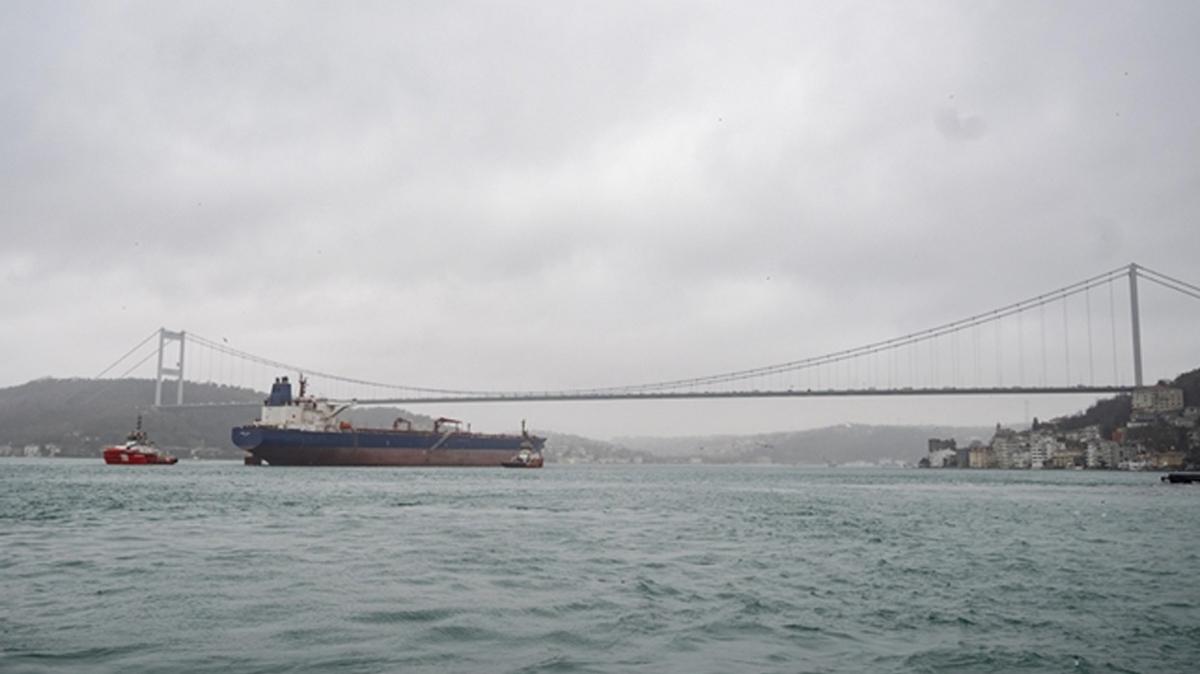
(1083, 435)
(943, 453)
(1010, 449)
(1021, 459)
(1131, 457)
(962, 457)
(1042, 449)
(980, 457)
(1174, 460)
(1159, 399)
(942, 458)
(1067, 458)
(1103, 454)
(1037, 457)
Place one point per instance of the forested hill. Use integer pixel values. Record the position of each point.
(1190, 383)
(81, 416)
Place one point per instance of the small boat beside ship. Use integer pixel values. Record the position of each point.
(138, 450)
(528, 457)
(305, 431)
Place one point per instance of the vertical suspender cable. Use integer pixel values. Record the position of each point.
(1042, 310)
(932, 363)
(999, 358)
(1020, 348)
(1087, 302)
(975, 341)
(912, 364)
(891, 354)
(954, 356)
(1112, 322)
(1066, 343)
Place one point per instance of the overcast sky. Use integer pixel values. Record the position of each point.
(566, 194)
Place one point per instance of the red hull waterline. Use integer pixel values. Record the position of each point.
(363, 456)
(120, 456)
(523, 463)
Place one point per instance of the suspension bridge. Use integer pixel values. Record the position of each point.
(1082, 338)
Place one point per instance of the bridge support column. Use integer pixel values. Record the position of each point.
(1135, 322)
(164, 336)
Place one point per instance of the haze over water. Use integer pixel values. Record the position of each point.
(220, 567)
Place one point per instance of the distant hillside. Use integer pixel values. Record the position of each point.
(567, 448)
(80, 416)
(1107, 413)
(835, 444)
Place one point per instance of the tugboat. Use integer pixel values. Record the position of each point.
(528, 457)
(137, 451)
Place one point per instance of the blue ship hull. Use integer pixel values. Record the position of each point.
(378, 447)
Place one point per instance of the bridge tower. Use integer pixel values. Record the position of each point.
(1136, 325)
(164, 336)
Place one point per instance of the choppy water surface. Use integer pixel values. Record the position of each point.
(220, 567)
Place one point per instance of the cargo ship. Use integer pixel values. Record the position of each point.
(305, 431)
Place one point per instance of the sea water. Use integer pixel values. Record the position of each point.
(216, 567)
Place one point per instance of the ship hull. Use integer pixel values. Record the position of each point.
(118, 456)
(291, 447)
(522, 464)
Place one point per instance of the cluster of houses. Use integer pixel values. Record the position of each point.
(1160, 407)
(30, 450)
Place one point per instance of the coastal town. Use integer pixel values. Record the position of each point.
(1155, 428)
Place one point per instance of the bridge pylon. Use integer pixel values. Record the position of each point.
(164, 336)
(1135, 324)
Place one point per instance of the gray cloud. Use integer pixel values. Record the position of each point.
(955, 126)
(574, 195)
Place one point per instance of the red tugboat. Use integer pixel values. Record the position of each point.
(137, 451)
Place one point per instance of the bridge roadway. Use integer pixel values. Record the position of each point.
(551, 396)
(555, 396)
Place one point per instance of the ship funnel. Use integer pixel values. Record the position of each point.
(281, 393)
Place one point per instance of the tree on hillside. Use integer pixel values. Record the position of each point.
(1109, 414)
